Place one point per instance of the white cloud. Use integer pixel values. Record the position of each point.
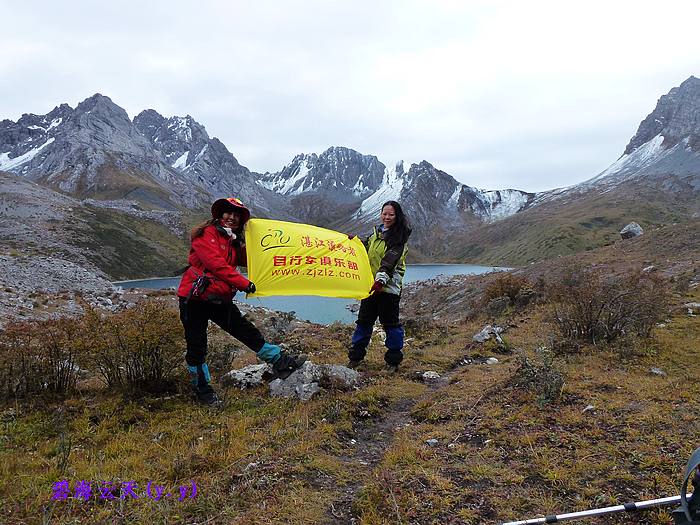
(530, 95)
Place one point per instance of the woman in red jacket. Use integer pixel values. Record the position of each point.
(206, 293)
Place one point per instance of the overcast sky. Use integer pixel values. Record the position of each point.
(500, 94)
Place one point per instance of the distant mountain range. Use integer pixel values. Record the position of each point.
(153, 164)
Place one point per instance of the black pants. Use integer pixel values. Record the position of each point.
(195, 317)
(386, 307)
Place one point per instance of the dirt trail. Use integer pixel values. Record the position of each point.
(374, 437)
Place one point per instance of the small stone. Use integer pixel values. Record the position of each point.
(658, 372)
(430, 376)
(432, 442)
(247, 377)
(491, 361)
(589, 408)
(693, 308)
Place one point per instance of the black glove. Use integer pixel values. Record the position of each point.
(250, 288)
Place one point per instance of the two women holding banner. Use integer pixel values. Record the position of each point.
(206, 293)
(211, 280)
(386, 248)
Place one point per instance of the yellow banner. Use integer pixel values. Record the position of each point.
(287, 258)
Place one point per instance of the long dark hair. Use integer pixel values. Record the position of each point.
(198, 230)
(401, 229)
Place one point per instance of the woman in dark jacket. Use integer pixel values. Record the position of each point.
(386, 249)
(206, 293)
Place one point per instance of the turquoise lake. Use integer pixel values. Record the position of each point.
(323, 310)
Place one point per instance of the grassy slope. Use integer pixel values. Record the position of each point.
(363, 454)
(563, 228)
(128, 247)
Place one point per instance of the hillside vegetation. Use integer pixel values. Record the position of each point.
(571, 226)
(559, 423)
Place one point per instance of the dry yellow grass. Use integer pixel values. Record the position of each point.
(363, 454)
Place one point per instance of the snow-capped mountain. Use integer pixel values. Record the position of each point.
(436, 202)
(665, 150)
(186, 147)
(339, 173)
(94, 151)
(344, 186)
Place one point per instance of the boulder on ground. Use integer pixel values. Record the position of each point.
(631, 230)
(310, 378)
(487, 332)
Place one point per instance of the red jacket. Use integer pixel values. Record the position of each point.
(214, 252)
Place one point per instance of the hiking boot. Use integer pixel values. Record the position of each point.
(392, 369)
(200, 379)
(286, 364)
(354, 364)
(207, 396)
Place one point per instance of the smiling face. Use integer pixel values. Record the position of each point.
(388, 216)
(231, 219)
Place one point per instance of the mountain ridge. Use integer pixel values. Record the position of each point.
(170, 163)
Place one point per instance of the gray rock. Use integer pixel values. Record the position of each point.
(631, 230)
(432, 442)
(246, 377)
(305, 382)
(693, 308)
(487, 332)
(492, 361)
(589, 408)
(658, 372)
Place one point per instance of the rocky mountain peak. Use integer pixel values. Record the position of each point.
(148, 122)
(101, 105)
(676, 118)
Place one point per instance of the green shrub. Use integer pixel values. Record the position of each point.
(540, 375)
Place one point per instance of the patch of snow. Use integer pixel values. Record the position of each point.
(636, 160)
(55, 122)
(454, 199)
(202, 152)
(181, 162)
(181, 127)
(390, 189)
(359, 188)
(287, 188)
(7, 164)
(504, 203)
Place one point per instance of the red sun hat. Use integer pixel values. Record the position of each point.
(230, 204)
